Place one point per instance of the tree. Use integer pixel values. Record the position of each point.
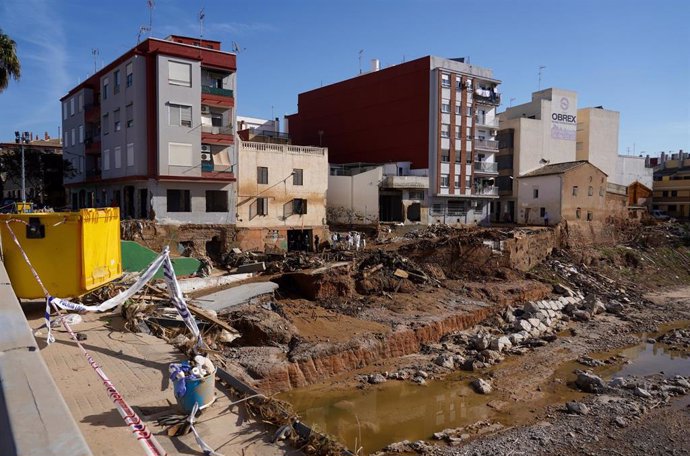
(9, 62)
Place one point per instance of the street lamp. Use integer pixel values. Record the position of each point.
(21, 140)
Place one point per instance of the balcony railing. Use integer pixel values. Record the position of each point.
(487, 97)
(282, 148)
(216, 91)
(405, 182)
(485, 167)
(216, 130)
(487, 191)
(483, 122)
(488, 144)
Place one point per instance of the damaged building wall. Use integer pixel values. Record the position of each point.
(192, 202)
(528, 249)
(354, 199)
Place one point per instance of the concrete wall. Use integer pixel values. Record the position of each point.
(281, 160)
(630, 169)
(584, 177)
(136, 135)
(597, 139)
(197, 215)
(354, 199)
(549, 197)
(188, 96)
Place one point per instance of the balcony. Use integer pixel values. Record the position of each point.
(405, 182)
(484, 122)
(486, 144)
(216, 91)
(485, 167)
(486, 96)
(92, 145)
(220, 136)
(490, 190)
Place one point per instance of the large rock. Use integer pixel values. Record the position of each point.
(581, 315)
(563, 290)
(375, 379)
(534, 322)
(501, 343)
(522, 325)
(577, 407)
(594, 305)
(615, 307)
(590, 383)
(509, 316)
(482, 386)
(531, 308)
(516, 339)
(445, 361)
(641, 392)
(481, 342)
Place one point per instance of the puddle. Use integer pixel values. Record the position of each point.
(397, 410)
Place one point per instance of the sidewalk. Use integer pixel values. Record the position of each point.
(137, 364)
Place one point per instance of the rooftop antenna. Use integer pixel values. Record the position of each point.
(361, 51)
(94, 54)
(202, 15)
(142, 29)
(541, 68)
(510, 105)
(236, 48)
(151, 4)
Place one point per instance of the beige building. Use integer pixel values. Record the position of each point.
(572, 191)
(281, 199)
(597, 138)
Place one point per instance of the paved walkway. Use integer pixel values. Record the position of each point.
(137, 365)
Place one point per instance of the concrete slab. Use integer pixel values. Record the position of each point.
(193, 284)
(224, 299)
(137, 364)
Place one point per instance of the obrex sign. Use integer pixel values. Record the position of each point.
(569, 118)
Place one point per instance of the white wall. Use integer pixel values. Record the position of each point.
(354, 199)
(158, 191)
(597, 138)
(549, 197)
(630, 169)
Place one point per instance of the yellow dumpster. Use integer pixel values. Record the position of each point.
(73, 252)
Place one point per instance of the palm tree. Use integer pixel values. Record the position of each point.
(9, 63)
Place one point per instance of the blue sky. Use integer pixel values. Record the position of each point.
(632, 56)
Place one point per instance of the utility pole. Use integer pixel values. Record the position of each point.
(21, 140)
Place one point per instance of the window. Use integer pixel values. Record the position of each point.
(458, 132)
(542, 212)
(216, 201)
(74, 136)
(71, 106)
(180, 115)
(116, 120)
(578, 213)
(106, 160)
(601, 191)
(590, 191)
(106, 81)
(130, 75)
(445, 180)
(117, 154)
(468, 133)
(262, 206)
(445, 80)
(65, 142)
(258, 207)
(445, 105)
(179, 201)
(116, 81)
(261, 175)
(458, 156)
(535, 193)
(81, 102)
(181, 154)
(674, 193)
(469, 111)
(458, 108)
(106, 124)
(456, 181)
(445, 155)
(458, 83)
(574, 190)
(64, 111)
(299, 206)
(664, 193)
(589, 216)
(81, 134)
(179, 73)
(297, 177)
(129, 113)
(445, 131)
(416, 194)
(130, 154)
(672, 208)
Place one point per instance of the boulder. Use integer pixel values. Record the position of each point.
(482, 386)
(577, 407)
(531, 308)
(509, 316)
(522, 325)
(590, 383)
(641, 392)
(594, 306)
(501, 343)
(534, 322)
(481, 342)
(444, 361)
(419, 380)
(471, 365)
(489, 356)
(615, 307)
(581, 315)
(617, 382)
(680, 381)
(516, 338)
(620, 421)
(375, 379)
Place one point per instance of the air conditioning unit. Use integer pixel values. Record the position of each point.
(206, 157)
(205, 110)
(494, 132)
(205, 149)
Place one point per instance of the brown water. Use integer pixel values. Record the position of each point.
(372, 418)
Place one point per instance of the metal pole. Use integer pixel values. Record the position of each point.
(23, 176)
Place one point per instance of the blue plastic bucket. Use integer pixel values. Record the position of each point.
(201, 391)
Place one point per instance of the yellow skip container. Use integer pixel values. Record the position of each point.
(73, 252)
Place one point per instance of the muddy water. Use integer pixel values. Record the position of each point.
(376, 416)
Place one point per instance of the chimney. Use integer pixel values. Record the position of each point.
(46, 136)
(375, 65)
